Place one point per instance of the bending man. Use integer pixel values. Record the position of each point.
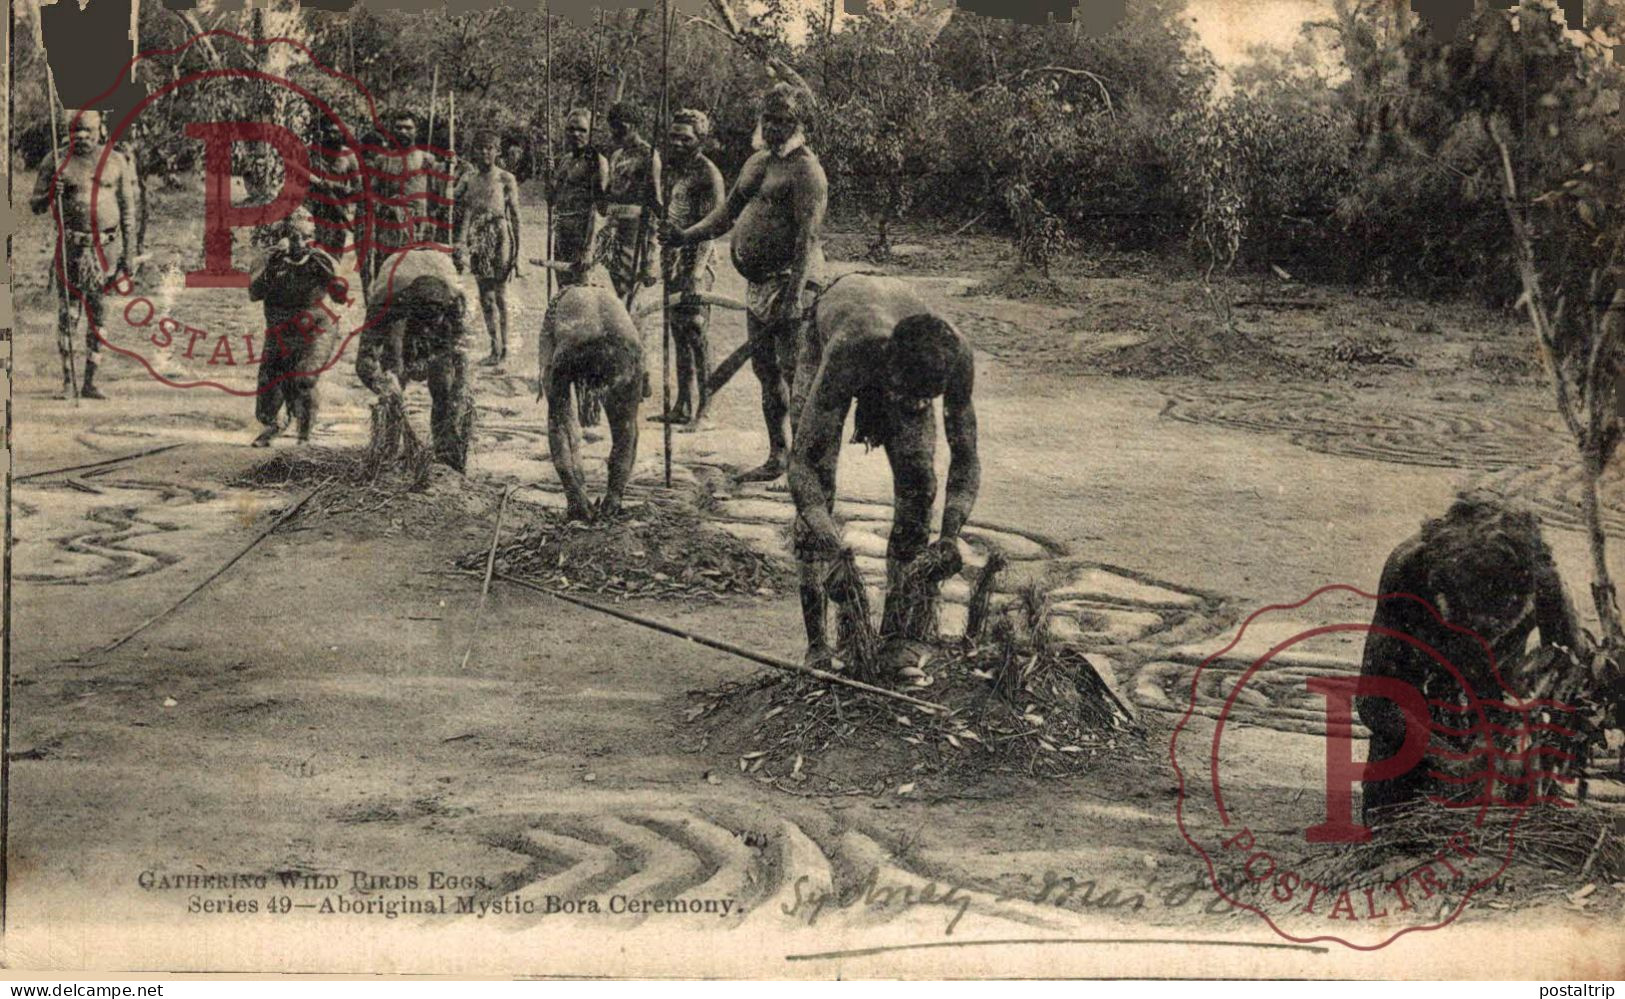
(887, 352)
(589, 343)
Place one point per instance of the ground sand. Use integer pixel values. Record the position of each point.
(307, 711)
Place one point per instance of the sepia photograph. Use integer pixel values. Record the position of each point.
(816, 489)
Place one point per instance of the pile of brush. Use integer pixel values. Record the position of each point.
(661, 550)
(1548, 846)
(1016, 701)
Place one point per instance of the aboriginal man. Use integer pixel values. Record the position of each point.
(404, 190)
(775, 210)
(487, 206)
(294, 285)
(632, 194)
(576, 196)
(589, 344)
(696, 190)
(95, 203)
(1485, 568)
(415, 332)
(887, 352)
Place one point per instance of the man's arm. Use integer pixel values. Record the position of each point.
(964, 466)
(715, 195)
(722, 217)
(510, 198)
(124, 193)
(45, 184)
(1389, 656)
(1554, 614)
(459, 216)
(818, 446)
(809, 198)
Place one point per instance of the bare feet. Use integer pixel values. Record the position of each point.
(819, 656)
(769, 470)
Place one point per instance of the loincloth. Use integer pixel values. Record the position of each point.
(490, 246)
(82, 263)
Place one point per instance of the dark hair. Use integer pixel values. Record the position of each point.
(923, 351)
(626, 113)
(1483, 554)
(604, 362)
(789, 99)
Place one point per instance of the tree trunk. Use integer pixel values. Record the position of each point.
(1603, 594)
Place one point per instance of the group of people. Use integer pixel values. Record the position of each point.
(621, 222)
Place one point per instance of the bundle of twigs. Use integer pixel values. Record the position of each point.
(1581, 842)
(395, 443)
(857, 641)
(659, 551)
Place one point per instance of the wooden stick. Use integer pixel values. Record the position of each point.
(281, 519)
(490, 567)
(665, 296)
(61, 272)
(722, 646)
(547, 136)
(98, 464)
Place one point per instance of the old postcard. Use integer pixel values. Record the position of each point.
(801, 489)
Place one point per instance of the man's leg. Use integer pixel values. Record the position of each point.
(764, 360)
(95, 314)
(814, 567)
(499, 297)
(451, 411)
(487, 288)
(304, 406)
(268, 398)
(682, 338)
(911, 610)
(564, 447)
(64, 342)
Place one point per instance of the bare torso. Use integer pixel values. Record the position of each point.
(766, 234)
(82, 192)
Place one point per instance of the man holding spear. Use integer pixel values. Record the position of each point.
(91, 208)
(695, 192)
(775, 210)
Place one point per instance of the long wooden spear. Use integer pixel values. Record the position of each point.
(547, 134)
(64, 345)
(664, 198)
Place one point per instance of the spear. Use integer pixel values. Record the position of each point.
(665, 302)
(547, 134)
(428, 141)
(451, 138)
(60, 274)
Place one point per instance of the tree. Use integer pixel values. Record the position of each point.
(1538, 106)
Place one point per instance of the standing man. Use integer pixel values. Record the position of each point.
(296, 279)
(632, 194)
(403, 189)
(775, 210)
(893, 357)
(93, 207)
(487, 212)
(576, 196)
(696, 191)
(335, 177)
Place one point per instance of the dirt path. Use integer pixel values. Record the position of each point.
(306, 713)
